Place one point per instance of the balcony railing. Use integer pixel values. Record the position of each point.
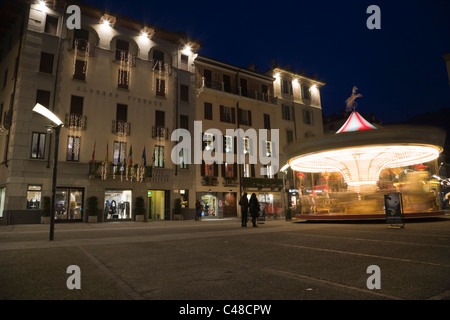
(160, 133)
(210, 181)
(262, 183)
(75, 121)
(243, 92)
(121, 128)
(230, 182)
(110, 171)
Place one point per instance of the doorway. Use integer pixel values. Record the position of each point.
(158, 204)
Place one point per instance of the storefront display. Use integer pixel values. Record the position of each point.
(117, 205)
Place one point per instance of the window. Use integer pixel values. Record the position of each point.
(269, 149)
(38, 145)
(80, 39)
(249, 170)
(158, 60)
(160, 87)
(158, 157)
(306, 94)
(160, 119)
(184, 93)
(122, 48)
(228, 144)
(182, 162)
(208, 111)
(46, 64)
(76, 105)
(43, 97)
(226, 83)
(34, 197)
(245, 117)
(209, 170)
(267, 121)
(51, 25)
(286, 86)
(184, 122)
(124, 79)
(289, 136)
(227, 114)
(184, 62)
(229, 170)
(308, 117)
(120, 149)
(73, 148)
(79, 72)
(286, 112)
(208, 142)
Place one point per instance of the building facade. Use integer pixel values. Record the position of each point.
(122, 88)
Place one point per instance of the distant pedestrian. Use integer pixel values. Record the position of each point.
(244, 209)
(198, 211)
(254, 209)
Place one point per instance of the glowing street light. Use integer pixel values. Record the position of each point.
(58, 124)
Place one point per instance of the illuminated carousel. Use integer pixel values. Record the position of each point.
(363, 155)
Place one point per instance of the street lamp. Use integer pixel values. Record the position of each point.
(56, 126)
(284, 170)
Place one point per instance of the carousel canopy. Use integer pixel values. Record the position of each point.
(356, 123)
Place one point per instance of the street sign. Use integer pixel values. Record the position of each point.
(393, 204)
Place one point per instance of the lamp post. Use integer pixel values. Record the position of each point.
(56, 126)
(284, 170)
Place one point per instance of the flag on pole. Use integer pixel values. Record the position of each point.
(93, 152)
(144, 157)
(130, 157)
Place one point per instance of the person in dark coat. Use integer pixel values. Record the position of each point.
(254, 208)
(198, 211)
(244, 209)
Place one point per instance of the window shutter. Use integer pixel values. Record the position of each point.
(249, 118)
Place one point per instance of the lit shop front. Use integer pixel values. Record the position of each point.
(69, 204)
(118, 204)
(218, 204)
(360, 164)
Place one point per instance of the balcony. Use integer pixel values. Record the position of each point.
(262, 183)
(230, 182)
(75, 121)
(243, 92)
(101, 171)
(121, 128)
(210, 181)
(160, 133)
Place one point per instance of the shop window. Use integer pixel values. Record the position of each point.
(69, 204)
(38, 145)
(118, 204)
(34, 197)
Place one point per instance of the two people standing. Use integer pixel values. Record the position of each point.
(252, 205)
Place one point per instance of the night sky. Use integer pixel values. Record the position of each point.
(399, 69)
